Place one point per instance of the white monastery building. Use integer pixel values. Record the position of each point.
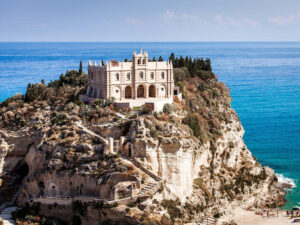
(132, 83)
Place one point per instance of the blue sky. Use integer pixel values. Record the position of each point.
(152, 20)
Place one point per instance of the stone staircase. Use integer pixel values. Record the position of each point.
(6, 216)
(147, 187)
(90, 132)
(208, 221)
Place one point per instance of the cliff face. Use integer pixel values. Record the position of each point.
(207, 177)
(180, 165)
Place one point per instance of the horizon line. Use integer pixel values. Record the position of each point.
(143, 41)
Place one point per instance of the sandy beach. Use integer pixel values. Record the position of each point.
(244, 217)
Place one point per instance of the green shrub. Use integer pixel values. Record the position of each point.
(172, 207)
(168, 108)
(153, 132)
(38, 92)
(181, 74)
(193, 123)
(145, 109)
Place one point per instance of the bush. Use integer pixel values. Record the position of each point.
(153, 132)
(172, 208)
(38, 92)
(168, 108)
(193, 123)
(60, 119)
(181, 74)
(145, 109)
(71, 78)
(18, 98)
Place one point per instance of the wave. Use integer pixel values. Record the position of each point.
(283, 179)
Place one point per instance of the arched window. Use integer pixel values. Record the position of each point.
(128, 76)
(141, 75)
(117, 76)
(92, 76)
(144, 62)
(139, 61)
(151, 75)
(162, 75)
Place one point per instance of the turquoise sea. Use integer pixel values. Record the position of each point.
(264, 78)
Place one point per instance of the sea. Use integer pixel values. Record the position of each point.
(264, 79)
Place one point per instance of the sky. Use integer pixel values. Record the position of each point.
(152, 20)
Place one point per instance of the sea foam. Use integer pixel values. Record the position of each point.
(283, 179)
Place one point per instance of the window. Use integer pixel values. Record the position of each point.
(162, 75)
(117, 76)
(151, 75)
(128, 76)
(141, 75)
(162, 89)
(117, 91)
(144, 62)
(139, 61)
(92, 77)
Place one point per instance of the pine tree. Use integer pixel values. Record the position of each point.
(160, 59)
(80, 67)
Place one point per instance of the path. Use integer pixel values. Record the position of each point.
(85, 129)
(6, 216)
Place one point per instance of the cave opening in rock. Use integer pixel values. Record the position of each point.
(21, 170)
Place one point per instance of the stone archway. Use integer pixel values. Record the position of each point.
(152, 92)
(141, 93)
(128, 92)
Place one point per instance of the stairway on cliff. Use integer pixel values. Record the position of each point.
(148, 186)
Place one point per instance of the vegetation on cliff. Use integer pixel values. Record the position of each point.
(204, 115)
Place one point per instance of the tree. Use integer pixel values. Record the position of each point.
(172, 57)
(43, 81)
(160, 59)
(80, 67)
(154, 59)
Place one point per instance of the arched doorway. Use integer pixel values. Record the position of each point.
(141, 92)
(128, 92)
(152, 93)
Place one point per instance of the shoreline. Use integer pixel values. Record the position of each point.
(245, 217)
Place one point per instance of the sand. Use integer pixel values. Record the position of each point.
(244, 217)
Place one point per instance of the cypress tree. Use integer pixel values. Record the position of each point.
(80, 67)
(160, 58)
(172, 57)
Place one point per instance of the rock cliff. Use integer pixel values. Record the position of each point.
(93, 164)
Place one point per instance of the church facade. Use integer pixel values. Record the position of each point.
(137, 79)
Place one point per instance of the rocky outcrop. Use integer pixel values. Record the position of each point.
(175, 167)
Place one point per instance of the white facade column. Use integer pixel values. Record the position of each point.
(111, 145)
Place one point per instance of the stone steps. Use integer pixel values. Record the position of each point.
(148, 186)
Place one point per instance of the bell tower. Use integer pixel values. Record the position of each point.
(140, 59)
